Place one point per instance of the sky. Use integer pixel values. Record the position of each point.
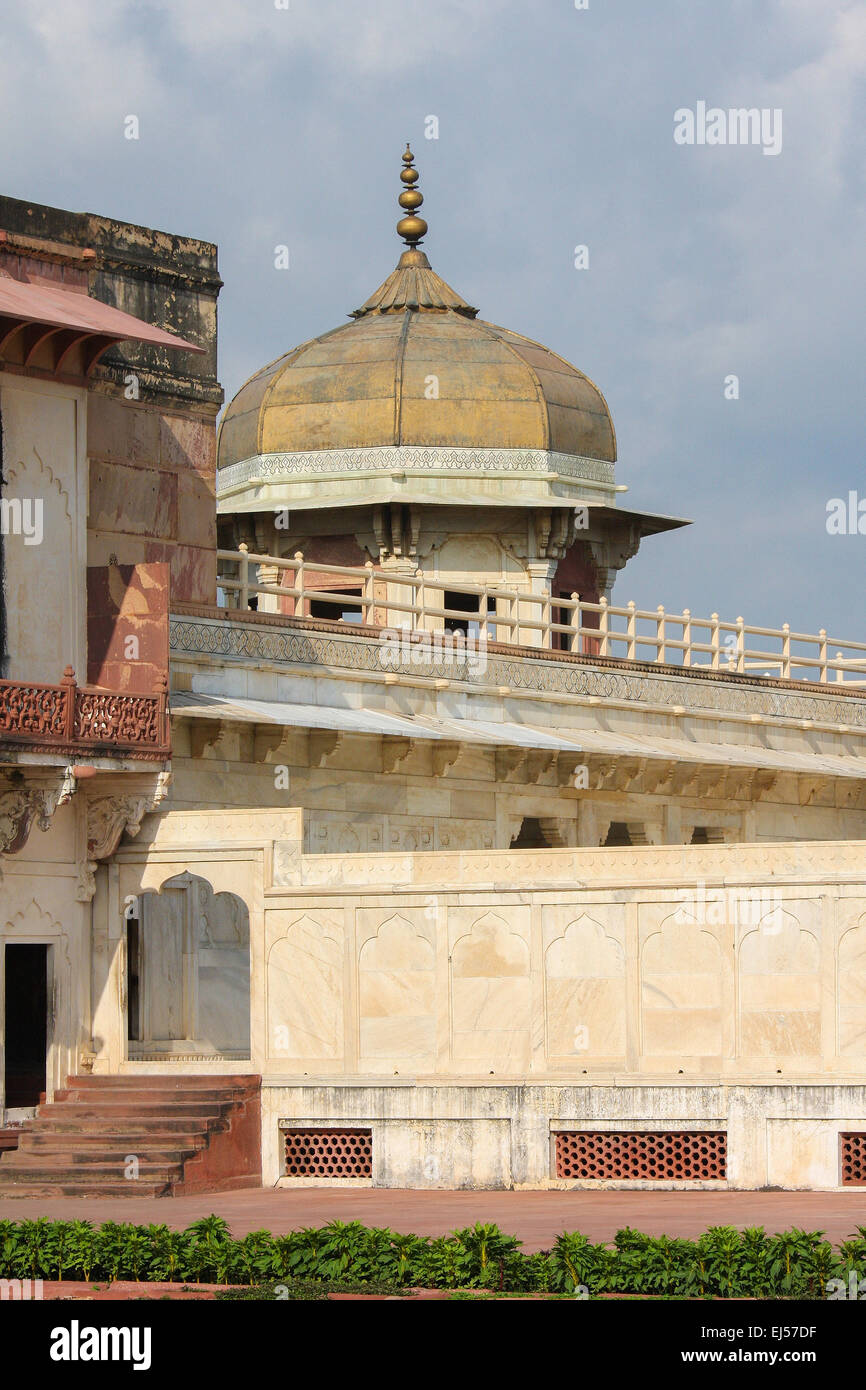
(265, 123)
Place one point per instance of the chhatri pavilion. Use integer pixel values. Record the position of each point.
(352, 830)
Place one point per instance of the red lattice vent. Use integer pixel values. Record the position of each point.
(329, 1153)
(853, 1159)
(683, 1155)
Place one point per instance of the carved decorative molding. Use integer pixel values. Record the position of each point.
(631, 682)
(656, 866)
(408, 458)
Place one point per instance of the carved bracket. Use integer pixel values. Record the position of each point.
(21, 805)
(324, 743)
(395, 752)
(445, 755)
(107, 819)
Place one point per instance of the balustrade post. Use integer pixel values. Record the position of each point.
(714, 641)
(741, 645)
(70, 690)
(243, 597)
(631, 628)
(786, 651)
(687, 637)
(163, 721)
(369, 607)
(660, 633)
(299, 585)
(419, 599)
(822, 655)
(604, 627)
(840, 674)
(575, 645)
(484, 617)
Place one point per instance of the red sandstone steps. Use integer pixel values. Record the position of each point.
(188, 1134)
(9, 1139)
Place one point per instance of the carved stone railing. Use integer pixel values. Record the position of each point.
(68, 718)
(515, 616)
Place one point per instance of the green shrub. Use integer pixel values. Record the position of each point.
(723, 1263)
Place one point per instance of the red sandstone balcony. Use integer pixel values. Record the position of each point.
(73, 719)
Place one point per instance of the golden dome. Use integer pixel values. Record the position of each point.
(369, 383)
(416, 380)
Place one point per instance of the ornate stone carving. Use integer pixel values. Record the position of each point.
(17, 812)
(68, 718)
(413, 459)
(86, 883)
(107, 819)
(22, 805)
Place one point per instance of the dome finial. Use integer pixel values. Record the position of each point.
(411, 228)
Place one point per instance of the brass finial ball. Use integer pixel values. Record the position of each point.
(410, 228)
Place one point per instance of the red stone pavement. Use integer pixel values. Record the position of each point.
(536, 1217)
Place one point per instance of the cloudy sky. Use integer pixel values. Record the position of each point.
(262, 126)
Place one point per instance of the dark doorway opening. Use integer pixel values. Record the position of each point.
(26, 1024)
(339, 609)
(133, 979)
(530, 835)
(463, 603)
(618, 835)
(469, 604)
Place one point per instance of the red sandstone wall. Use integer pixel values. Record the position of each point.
(127, 602)
(152, 491)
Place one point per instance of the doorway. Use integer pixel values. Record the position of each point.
(188, 972)
(26, 1025)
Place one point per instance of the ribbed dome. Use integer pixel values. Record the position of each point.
(373, 382)
(415, 392)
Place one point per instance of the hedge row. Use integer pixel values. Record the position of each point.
(724, 1262)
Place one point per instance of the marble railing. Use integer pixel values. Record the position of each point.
(514, 616)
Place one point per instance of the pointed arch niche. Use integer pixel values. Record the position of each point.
(396, 988)
(188, 972)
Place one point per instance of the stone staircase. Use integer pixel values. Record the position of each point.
(139, 1136)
